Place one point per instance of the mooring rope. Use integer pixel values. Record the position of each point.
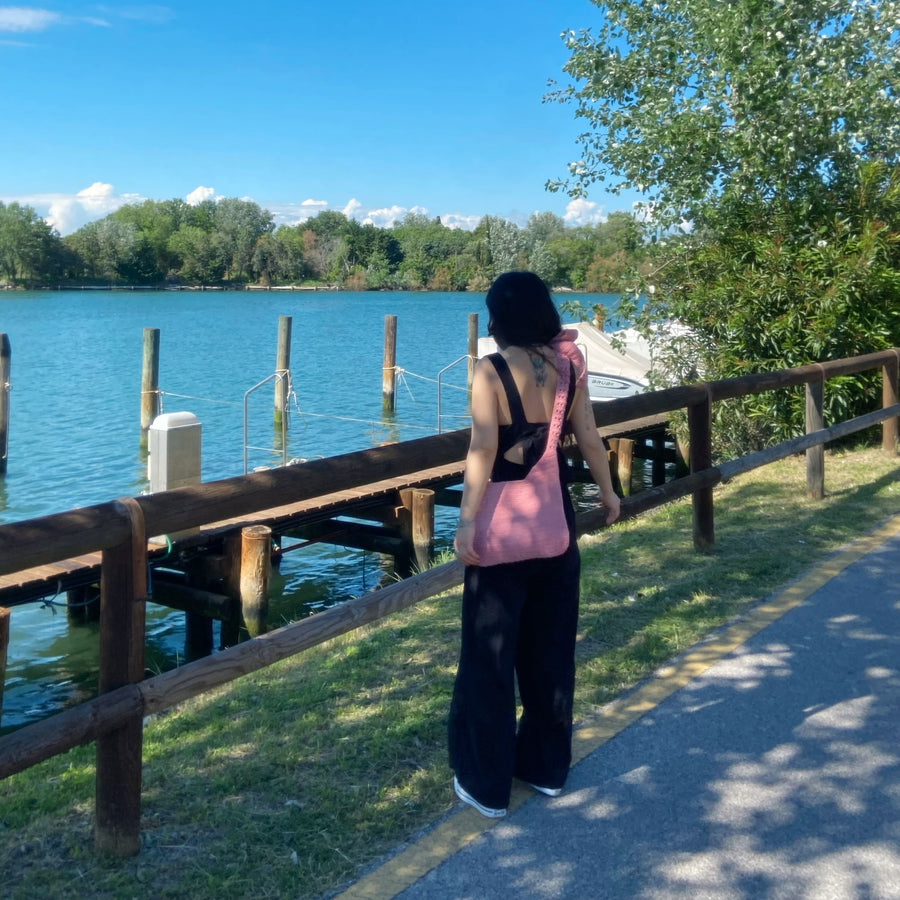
(454, 387)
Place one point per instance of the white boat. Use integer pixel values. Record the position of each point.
(612, 372)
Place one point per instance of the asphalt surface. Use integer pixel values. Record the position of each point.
(764, 765)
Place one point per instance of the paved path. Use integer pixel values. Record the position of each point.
(763, 765)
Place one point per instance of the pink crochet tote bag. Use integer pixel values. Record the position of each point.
(526, 519)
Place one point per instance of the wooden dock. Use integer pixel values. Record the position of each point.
(315, 519)
(364, 502)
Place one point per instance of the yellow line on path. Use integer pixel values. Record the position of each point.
(439, 844)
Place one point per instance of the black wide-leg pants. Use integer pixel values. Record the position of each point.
(519, 620)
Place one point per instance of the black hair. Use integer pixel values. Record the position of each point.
(522, 312)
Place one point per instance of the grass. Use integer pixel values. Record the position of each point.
(289, 782)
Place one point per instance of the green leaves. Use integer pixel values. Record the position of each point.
(690, 100)
(770, 130)
(29, 248)
(770, 289)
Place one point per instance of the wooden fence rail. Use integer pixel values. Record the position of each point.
(114, 719)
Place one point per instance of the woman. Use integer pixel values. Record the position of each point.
(519, 619)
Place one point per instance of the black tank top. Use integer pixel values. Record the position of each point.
(531, 435)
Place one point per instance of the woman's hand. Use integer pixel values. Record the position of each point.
(464, 542)
(610, 500)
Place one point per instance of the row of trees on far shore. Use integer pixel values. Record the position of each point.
(235, 242)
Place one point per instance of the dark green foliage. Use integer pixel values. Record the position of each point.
(766, 286)
(232, 241)
(30, 250)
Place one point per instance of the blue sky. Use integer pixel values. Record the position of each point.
(370, 108)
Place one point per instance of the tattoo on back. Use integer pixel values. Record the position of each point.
(539, 366)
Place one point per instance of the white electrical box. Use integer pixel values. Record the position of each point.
(173, 440)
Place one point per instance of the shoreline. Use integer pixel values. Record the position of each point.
(287, 288)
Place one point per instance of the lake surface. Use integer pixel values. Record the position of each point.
(74, 436)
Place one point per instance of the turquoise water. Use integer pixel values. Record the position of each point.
(74, 437)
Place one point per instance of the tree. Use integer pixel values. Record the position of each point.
(573, 251)
(504, 244)
(542, 227)
(538, 234)
(770, 130)
(156, 222)
(238, 225)
(106, 248)
(327, 245)
(693, 100)
(427, 245)
(29, 247)
(201, 257)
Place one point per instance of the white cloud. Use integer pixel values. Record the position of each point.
(583, 212)
(381, 217)
(384, 217)
(68, 212)
(23, 18)
(352, 208)
(465, 223)
(99, 198)
(199, 194)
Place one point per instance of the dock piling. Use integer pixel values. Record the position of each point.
(283, 369)
(149, 382)
(256, 562)
(5, 358)
(230, 628)
(622, 455)
(389, 367)
(416, 520)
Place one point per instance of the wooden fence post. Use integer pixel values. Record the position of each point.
(283, 367)
(123, 593)
(700, 430)
(815, 456)
(472, 350)
(149, 382)
(256, 564)
(5, 360)
(4, 643)
(889, 372)
(388, 369)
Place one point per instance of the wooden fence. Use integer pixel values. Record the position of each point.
(114, 719)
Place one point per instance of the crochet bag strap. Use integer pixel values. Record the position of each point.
(559, 402)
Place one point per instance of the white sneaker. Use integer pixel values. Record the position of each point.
(550, 792)
(466, 797)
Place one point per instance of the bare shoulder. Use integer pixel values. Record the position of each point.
(485, 369)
